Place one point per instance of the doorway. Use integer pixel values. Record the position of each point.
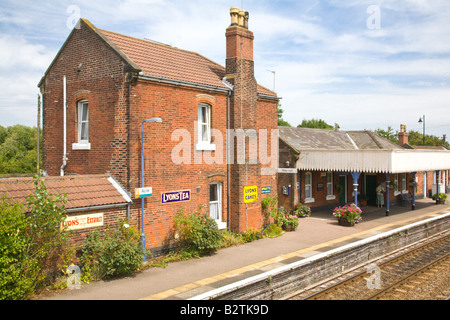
(371, 190)
(342, 188)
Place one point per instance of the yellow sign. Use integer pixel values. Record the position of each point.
(250, 194)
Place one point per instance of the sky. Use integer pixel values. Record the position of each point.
(361, 64)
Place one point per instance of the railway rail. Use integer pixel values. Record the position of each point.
(419, 271)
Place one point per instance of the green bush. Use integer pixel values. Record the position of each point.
(117, 251)
(272, 231)
(197, 231)
(46, 213)
(17, 268)
(31, 244)
(251, 235)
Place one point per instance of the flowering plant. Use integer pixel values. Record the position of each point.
(350, 212)
(285, 219)
(303, 211)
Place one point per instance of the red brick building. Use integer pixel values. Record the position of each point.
(102, 86)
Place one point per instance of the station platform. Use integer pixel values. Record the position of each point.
(191, 279)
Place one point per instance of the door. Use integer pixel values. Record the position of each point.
(371, 190)
(342, 190)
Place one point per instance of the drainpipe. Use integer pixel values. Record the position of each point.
(65, 126)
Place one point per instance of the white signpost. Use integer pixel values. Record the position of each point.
(143, 192)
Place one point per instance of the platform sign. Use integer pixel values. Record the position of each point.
(265, 190)
(143, 192)
(250, 194)
(287, 170)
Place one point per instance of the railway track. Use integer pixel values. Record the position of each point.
(419, 271)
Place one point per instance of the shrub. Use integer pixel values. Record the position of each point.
(117, 251)
(251, 235)
(272, 231)
(197, 231)
(17, 269)
(49, 240)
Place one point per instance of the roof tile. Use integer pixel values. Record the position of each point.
(82, 191)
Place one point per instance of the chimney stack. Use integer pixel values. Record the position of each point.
(240, 70)
(403, 136)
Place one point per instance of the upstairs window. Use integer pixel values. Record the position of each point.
(204, 127)
(83, 122)
(82, 126)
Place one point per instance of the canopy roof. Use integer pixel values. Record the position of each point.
(359, 151)
(374, 161)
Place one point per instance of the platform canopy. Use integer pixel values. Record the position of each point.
(374, 161)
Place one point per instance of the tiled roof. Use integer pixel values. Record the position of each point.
(308, 139)
(82, 191)
(161, 60)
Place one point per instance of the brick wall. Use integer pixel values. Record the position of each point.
(100, 80)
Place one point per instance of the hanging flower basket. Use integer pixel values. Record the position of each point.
(347, 215)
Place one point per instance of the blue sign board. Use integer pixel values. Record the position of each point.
(176, 196)
(265, 190)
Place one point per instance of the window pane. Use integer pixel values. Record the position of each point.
(307, 192)
(84, 112)
(204, 134)
(308, 178)
(329, 189)
(329, 177)
(213, 194)
(84, 131)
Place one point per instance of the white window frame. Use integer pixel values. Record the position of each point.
(404, 183)
(82, 144)
(218, 204)
(330, 189)
(204, 143)
(309, 199)
(396, 192)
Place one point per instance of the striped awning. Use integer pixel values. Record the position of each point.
(374, 161)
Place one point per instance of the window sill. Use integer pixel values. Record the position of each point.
(331, 197)
(81, 146)
(205, 147)
(310, 200)
(221, 225)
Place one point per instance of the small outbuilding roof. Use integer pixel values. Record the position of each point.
(83, 191)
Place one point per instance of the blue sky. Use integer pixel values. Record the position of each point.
(361, 64)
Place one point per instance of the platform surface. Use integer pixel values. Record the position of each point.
(189, 279)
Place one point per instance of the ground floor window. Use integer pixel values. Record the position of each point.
(215, 204)
(308, 188)
(330, 191)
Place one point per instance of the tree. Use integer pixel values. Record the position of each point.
(315, 124)
(18, 149)
(415, 138)
(281, 122)
(389, 134)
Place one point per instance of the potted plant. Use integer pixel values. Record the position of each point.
(287, 221)
(302, 211)
(442, 197)
(347, 215)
